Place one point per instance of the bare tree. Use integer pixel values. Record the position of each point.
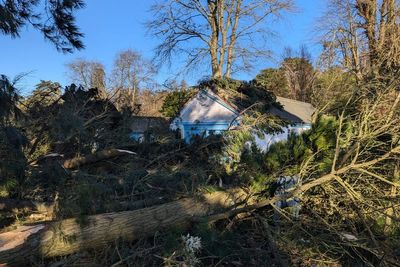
(295, 77)
(363, 34)
(299, 73)
(90, 74)
(151, 102)
(131, 73)
(231, 34)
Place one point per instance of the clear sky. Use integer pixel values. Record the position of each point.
(112, 26)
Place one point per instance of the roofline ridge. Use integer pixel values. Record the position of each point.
(294, 100)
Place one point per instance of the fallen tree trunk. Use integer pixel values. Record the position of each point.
(95, 157)
(69, 236)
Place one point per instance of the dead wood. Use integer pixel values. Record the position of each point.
(95, 157)
(69, 236)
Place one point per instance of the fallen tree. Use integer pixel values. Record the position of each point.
(358, 164)
(69, 236)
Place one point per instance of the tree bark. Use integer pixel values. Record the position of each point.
(368, 11)
(69, 236)
(213, 21)
(232, 40)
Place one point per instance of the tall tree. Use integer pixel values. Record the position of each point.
(90, 74)
(362, 35)
(55, 20)
(9, 98)
(293, 79)
(231, 34)
(12, 139)
(131, 73)
(299, 73)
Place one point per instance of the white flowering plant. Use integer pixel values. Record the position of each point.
(191, 246)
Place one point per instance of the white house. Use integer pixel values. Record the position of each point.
(207, 113)
(298, 113)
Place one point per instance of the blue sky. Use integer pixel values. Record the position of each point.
(112, 26)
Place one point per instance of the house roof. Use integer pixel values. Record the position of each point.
(207, 106)
(293, 110)
(142, 124)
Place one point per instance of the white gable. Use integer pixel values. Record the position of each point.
(207, 107)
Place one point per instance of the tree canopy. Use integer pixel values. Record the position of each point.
(220, 33)
(55, 19)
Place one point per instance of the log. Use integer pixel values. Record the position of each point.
(69, 236)
(95, 157)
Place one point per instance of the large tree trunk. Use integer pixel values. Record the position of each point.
(69, 236)
(232, 40)
(213, 45)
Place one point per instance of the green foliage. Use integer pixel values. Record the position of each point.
(13, 162)
(83, 121)
(171, 240)
(319, 143)
(46, 94)
(12, 139)
(233, 149)
(240, 161)
(273, 80)
(56, 20)
(226, 242)
(174, 102)
(287, 155)
(293, 79)
(242, 94)
(9, 98)
(39, 109)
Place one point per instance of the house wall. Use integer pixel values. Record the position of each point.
(208, 114)
(205, 114)
(206, 107)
